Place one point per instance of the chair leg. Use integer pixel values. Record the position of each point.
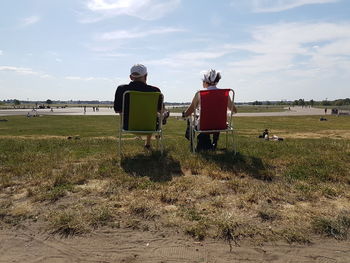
(193, 138)
(194, 142)
(120, 145)
(233, 142)
(161, 143)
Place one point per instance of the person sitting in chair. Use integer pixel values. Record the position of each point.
(138, 76)
(210, 80)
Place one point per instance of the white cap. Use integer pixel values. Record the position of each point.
(138, 70)
(211, 76)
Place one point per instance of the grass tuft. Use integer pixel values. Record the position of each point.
(67, 223)
(338, 228)
(292, 235)
(228, 230)
(268, 214)
(197, 230)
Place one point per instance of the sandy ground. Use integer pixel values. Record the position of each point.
(295, 111)
(126, 245)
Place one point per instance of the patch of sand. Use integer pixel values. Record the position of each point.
(332, 134)
(126, 245)
(94, 185)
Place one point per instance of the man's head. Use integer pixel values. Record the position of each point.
(138, 72)
(211, 78)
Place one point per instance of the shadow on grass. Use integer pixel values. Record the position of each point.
(159, 168)
(238, 163)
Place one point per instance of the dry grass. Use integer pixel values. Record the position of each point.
(288, 190)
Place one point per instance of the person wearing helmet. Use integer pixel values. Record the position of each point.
(210, 80)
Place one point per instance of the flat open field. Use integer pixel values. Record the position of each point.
(244, 109)
(65, 197)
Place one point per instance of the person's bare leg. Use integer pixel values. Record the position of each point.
(148, 141)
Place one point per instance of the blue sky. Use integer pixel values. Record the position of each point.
(265, 49)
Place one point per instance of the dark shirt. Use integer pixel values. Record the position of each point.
(134, 86)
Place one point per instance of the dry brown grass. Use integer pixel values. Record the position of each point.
(270, 191)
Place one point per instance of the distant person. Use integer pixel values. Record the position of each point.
(138, 76)
(265, 134)
(209, 82)
(84, 109)
(325, 110)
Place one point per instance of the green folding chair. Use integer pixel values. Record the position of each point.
(142, 114)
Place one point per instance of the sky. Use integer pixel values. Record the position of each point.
(264, 49)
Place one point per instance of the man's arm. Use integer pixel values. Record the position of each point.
(115, 106)
(118, 99)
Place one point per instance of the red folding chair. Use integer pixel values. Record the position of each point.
(211, 116)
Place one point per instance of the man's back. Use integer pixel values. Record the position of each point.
(133, 85)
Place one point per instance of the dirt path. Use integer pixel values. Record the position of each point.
(125, 245)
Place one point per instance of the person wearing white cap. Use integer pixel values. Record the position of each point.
(138, 76)
(210, 79)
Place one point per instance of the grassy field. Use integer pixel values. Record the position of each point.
(63, 173)
(243, 109)
(240, 108)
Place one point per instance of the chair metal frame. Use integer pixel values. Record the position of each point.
(158, 130)
(193, 129)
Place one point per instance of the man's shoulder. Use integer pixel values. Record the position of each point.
(123, 87)
(138, 86)
(153, 88)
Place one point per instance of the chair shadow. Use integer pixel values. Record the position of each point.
(238, 163)
(159, 168)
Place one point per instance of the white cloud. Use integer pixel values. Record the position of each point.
(111, 56)
(46, 76)
(86, 79)
(130, 34)
(30, 21)
(24, 71)
(338, 47)
(292, 45)
(115, 55)
(20, 70)
(270, 6)
(183, 60)
(199, 55)
(1, 52)
(143, 9)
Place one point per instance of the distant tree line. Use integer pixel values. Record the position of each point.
(338, 102)
(302, 102)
